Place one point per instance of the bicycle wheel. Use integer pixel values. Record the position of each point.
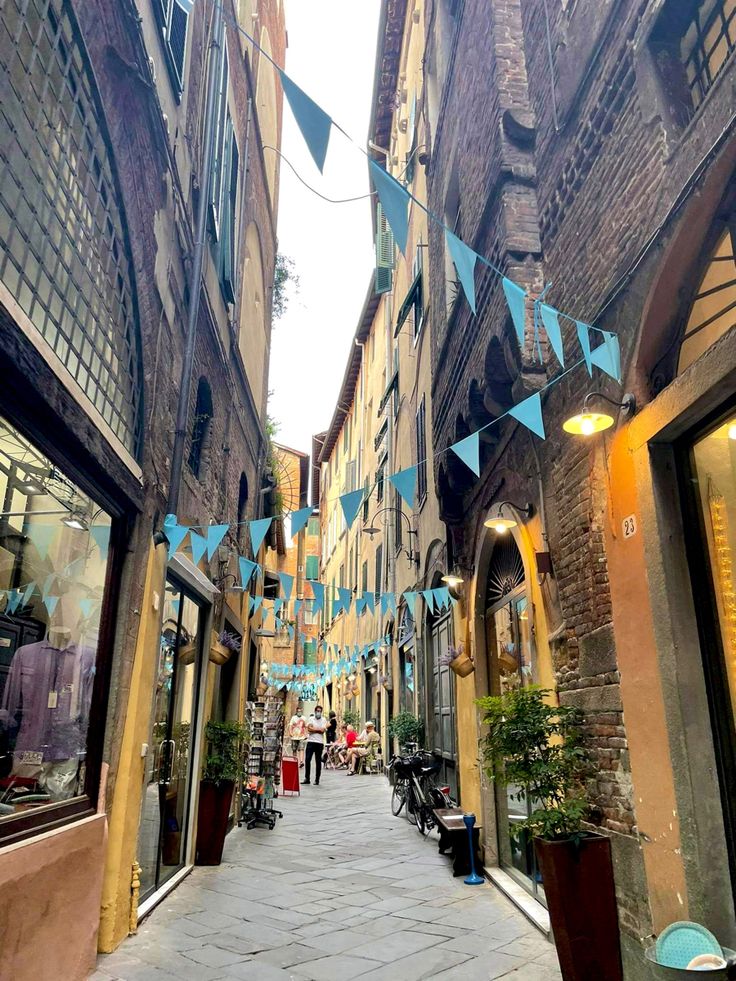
(398, 797)
(412, 804)
(423, 817)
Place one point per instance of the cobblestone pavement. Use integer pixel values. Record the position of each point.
(340, 889)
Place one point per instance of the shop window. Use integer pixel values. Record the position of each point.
(173, 19)
(199, 449)
(54, 543)
(691, 44)
(64, 252)
(713, 309)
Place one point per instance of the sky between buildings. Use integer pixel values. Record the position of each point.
(331, 55)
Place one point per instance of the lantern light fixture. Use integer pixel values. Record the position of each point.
(732, 430)
(501, 523)
(586, 423)
(452, 580)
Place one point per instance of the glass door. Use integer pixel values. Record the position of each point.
(443, 702)
(162, 844)
(510, 647)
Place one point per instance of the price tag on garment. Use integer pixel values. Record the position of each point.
(628, 526)
(53, 699)
(29, 757)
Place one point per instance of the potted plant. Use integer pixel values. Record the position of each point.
(458, 660)
(406, 728)
(223, 765)
(535, 748)
(224, 646)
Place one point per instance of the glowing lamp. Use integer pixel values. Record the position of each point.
(732, 431)
(587, 423)
(500, 525)
(452, 581)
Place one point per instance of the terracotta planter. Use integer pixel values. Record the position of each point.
(219, 654)
(187, 653)
(578, 884)
(462, 665)
(212, 818)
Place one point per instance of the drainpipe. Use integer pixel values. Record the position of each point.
(195, 280)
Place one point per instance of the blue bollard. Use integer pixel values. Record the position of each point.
(473, 879)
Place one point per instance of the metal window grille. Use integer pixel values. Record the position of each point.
(63, 248)
(706, 45)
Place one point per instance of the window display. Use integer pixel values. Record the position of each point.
(54, 544)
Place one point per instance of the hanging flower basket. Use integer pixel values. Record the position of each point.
(459, 660)
(387, 682)
(187, 652)
(223, 647)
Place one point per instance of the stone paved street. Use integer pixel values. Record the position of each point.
(340, 889)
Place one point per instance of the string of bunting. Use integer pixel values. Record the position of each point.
(315, 125)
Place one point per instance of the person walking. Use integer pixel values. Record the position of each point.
(330, 735)
(297, 735)
(316, 728)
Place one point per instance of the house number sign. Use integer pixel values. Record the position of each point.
(628, 526)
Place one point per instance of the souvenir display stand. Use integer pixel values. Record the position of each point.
(263, 762)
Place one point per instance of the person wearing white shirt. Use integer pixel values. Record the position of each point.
(315, 744)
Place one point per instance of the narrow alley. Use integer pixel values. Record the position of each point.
(340, 889)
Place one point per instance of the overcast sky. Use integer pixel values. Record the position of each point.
(331, 55)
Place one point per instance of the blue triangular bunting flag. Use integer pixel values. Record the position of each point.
(464, 259)
(441, 597)
(255, 603)
(405, 482)
(607, 357)
(360, 602)
(215, 534)
(551, 321)
(101, 537)
(42, 536)
(50, 603)
(277, 604)
(529, 413)
(47, 584)
(313, 122)
(298, 520)
(86, 606)
(388, 602)
(247, 568)
(346, 597)
(297, 606)
(428, 599)
(258, 531)
(287, 584)
(394, 201)
(27, 593)
(174, 532)
(468, 450)
(199, 546)
(516, 299)
(370, 602)
(318, 591)
(411, 601)
(14, 598)
(584, 339)
(351, 505)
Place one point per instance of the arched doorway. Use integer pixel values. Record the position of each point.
(511, 665)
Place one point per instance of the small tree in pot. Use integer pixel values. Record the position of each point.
(406, 728)
(537, 747)
(223, 766)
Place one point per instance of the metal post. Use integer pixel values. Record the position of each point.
(195, 281)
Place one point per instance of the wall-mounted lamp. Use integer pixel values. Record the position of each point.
(76, 520)
(452, 580)
(32, 486)
(501, 523)
(587, 423)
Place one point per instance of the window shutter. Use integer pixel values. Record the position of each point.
(384, 252)
(178, 38)
(312, 567)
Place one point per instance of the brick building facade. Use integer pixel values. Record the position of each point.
(123, 96)
(598, 163)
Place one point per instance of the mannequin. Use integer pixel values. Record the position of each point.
(45, 709)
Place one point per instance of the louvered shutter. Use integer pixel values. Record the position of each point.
(384, 252)
(177, 37)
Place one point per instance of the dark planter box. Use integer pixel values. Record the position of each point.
(578, 884)
(212, 821)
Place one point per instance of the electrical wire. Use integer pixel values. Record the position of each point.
(359, 197)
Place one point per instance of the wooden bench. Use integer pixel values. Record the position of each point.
(454, 836)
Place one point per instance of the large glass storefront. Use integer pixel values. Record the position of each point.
(54, 545)
(512, 667)
(711, 481)
(162, 834)
(442, 738)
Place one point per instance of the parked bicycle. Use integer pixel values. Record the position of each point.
(415, 789)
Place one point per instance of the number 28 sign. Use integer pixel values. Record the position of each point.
(628, 526)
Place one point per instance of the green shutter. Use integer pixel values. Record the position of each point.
(310, 651)
(312, 567)
(384, 252)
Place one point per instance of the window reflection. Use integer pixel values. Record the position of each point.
(53, 561)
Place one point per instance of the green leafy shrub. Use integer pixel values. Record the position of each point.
(538, 748)
(225, 752)
(351, 717)
(406, 728)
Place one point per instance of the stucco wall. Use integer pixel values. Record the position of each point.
(50, 889)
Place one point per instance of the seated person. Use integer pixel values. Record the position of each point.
(370, 740)
(347, 744)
